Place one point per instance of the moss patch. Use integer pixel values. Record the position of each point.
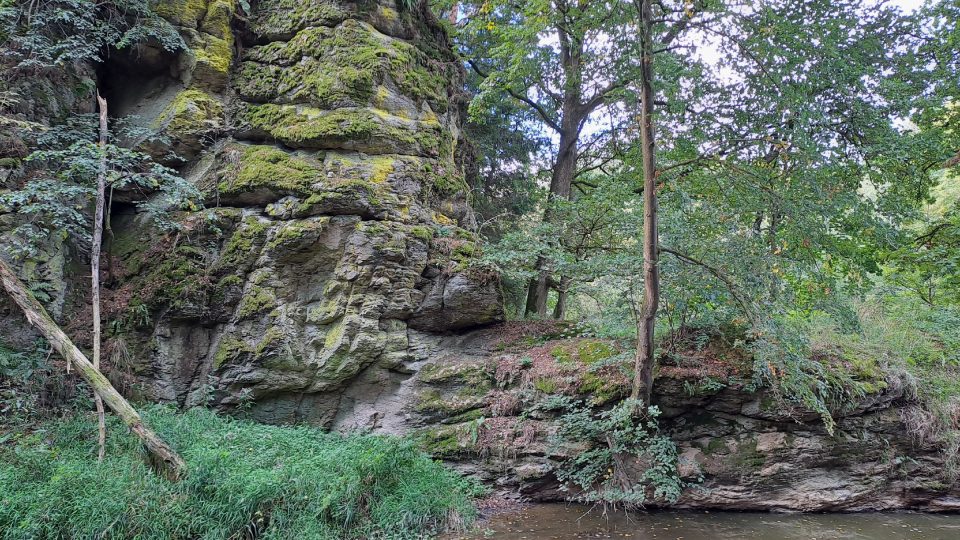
(244, 245)
(229, 350)
(360, 129)
(281, 18)
(191, 112)
(268, 167)
(256, 301)
(341, 67)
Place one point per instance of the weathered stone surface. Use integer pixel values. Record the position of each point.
(461, 301)
(750, 453)
(337, 216)
(46, 97)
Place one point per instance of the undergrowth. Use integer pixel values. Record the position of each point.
(244, 480)
(899, 343)
(621, 445)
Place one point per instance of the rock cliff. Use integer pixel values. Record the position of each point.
(324, 136)
(477, 401)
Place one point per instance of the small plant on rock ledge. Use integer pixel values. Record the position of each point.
(629, 462)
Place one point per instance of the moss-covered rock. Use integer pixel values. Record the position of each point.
(349, 129)
(267, 173)
(282, 19)
(343, 67)
(192, 115)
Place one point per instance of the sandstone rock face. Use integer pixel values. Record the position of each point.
(469, 403)
(323, 136)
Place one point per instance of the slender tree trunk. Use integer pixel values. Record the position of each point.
(95, 270)
(163, 457)
(644, 361)
(111, 238)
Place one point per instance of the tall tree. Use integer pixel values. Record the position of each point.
(96, 243)
(643, 364)
(556, 57)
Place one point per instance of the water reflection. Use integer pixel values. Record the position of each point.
(569, 522)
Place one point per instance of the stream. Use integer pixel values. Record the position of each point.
(570, 522)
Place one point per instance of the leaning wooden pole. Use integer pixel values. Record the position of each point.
(163, 457)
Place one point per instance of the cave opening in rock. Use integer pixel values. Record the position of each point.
(138, 82)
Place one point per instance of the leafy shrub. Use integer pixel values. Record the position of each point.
(22, 376)
(619, 439)
(244, 480)
(46, 34)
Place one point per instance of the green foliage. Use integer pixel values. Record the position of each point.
(64, 170)
(616, 436)
(245, 480)
(47, 34)
(22, 374)
(929, 265)
(784, 361)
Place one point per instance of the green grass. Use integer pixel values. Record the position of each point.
(244, 480)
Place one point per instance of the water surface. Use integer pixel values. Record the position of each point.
(570, 522)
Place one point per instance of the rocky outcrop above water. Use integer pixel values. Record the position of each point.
(472, 401)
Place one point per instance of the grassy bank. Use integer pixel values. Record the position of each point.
(245, 481)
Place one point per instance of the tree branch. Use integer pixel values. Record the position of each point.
(681, 25)
(520, 97)
(719, 275)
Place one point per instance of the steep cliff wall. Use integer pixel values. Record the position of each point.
(324, 137)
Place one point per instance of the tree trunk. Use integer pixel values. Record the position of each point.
(561, 183)
(644, 361)
(95, 271)
(538, 290)
(163, 457)
(563, 290)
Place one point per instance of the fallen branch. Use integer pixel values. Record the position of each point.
(164, 458)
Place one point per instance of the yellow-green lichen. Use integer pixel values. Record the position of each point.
(272, 338)
(342, 66)
(334, 335)
(213, 56)
(328, 312)
(229, 350)
(388, 13)
(271, 168)
(286, 17)
(290, 233)
(307, 127)
(191, 111)
(243, 245)
(256, 301)
(182, 12)
(381, 168)
(216, 21)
